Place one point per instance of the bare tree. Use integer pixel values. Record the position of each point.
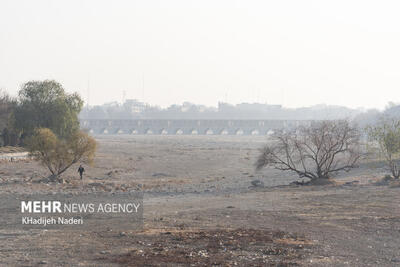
(316, 151)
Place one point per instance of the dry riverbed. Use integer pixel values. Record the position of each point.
(201, 209)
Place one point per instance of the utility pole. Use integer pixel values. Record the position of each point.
(88, 91)
(143, 87)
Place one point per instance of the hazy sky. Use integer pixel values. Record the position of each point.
(295, 53)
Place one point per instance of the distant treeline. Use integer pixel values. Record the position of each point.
(133, 109)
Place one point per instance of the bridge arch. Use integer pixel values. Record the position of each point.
(224, 132)
(270, 132)
(209, 131)
(179, 131)
(239, 131)
(148, 131)
(254, 132)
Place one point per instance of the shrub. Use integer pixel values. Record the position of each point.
(59, 154)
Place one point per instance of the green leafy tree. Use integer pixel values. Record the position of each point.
(8, 134)
(60, 154)
(386, 136)
(45, 104)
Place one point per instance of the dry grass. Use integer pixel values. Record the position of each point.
(11, 149)
(165, 181)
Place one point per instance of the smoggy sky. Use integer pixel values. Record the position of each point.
(295, 53)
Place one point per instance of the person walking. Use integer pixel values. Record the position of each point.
(81, 170)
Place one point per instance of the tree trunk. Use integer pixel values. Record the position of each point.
(55, 178)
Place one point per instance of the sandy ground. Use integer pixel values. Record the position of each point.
(200, 209)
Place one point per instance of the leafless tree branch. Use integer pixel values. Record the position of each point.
(315, 152)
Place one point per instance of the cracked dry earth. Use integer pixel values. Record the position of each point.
(201, 210)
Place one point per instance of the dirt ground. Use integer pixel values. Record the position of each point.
(201, 209)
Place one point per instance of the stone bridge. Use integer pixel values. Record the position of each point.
(189, 127)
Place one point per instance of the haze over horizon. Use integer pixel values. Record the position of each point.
(293, 53)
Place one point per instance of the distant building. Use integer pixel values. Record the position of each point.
(135, 106)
